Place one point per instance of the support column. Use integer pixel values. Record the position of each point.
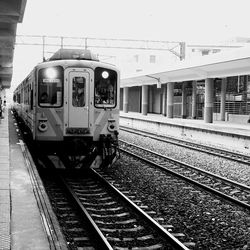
(194, 99)
(223, 99)
(125, 99)
(150, 99)
(209, 100)
(184, 102)
(170, 100)
(144, 99)
(164, 100)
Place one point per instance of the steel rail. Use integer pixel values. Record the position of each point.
(241, 186)
(227, 197)
(156, 226)
(191, 145)
(102, 241)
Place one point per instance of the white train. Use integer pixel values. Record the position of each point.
(70, 105)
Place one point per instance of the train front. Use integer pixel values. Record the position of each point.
(78, 111)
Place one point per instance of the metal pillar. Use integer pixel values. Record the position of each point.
(125, 99)
(144, 99)
(184, 102)
(170, 100)
(209, 99)
(150, 99)
(223, 99)
(194, 99)
(164, 100)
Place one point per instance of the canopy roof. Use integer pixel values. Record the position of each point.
(219, 65)
(11, 13)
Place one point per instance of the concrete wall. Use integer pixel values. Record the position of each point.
(157, 100)
(239, 119)
(191, 133)
(134, 100)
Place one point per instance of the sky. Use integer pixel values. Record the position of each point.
(192, 21)
(137, 19)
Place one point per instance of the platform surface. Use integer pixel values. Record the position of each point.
(220, 126)
(21, 226)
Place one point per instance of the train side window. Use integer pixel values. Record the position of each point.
(31, 99)
(78, 91)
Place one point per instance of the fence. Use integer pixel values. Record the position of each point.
(238, 108)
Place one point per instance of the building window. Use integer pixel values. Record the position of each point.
(152, 58)
(136, 57)
(204, 52)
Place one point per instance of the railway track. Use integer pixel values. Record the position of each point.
(102, 217)
(241, 158)
(72, 224)
(234, 192)
(115, 221)
(79, 237)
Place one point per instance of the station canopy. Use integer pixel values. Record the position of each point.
(218, 65)
(11, 13)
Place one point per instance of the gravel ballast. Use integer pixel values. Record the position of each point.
(226, 168)
(209, 225)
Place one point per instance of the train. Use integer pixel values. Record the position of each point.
(69, 104)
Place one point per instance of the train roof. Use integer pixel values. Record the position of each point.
(80, 54)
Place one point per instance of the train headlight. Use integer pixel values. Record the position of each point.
(50, 73)
(105, 74)
(43, 126)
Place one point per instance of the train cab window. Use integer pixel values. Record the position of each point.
(78, 91)
(105, 88)
(50, 86)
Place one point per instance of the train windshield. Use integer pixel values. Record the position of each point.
(105, 88)
(50, 82)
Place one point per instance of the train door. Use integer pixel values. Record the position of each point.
(78, 99)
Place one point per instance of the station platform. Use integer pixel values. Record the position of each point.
(219, 133)
(26, 217)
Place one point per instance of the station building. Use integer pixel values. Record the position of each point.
(212, 87)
